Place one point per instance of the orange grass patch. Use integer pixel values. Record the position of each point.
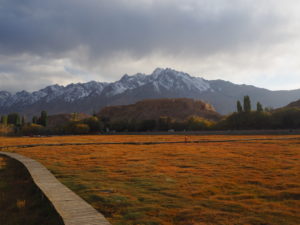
(253, 182)
(8, 141)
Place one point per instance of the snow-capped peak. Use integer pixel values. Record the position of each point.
(172, 79)
(167, 79)
(157, 72)
(4, 94)
(69, 93)
(161, 80)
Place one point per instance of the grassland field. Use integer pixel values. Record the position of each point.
(245, 182)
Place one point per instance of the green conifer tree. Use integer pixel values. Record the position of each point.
(44, 118)
(35, 120)
(14, 118)
(23, 121)
(239, 107)
(247, 104)
(4, 120)
(259, 107)
(18, 121)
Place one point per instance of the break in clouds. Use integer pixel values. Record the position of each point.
(64, 41)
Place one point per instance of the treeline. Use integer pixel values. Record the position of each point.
(163, 123)
(261, 118)
(245, 118)
(14, 123)
(94, 124)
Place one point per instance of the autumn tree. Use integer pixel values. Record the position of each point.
(94, 124)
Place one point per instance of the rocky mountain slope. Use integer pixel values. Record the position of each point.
(153, 109)
(162, 83)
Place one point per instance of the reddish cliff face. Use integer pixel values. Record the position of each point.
(180, 108)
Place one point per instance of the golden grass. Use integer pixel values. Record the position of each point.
(254, 182)
(6, 141)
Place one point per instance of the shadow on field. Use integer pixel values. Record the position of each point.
(21, 202)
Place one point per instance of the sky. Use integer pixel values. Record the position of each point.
(68, 41)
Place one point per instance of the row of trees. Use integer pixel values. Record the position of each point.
(164, 123)
(12, 119)
(95, 125)
(42, 120)
(243, 118)
(39, 125)
(17, 120)
(14, 123)
(246, 108)
(73, 126)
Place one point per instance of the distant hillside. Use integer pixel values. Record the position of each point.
(180, 109)
(295, 104)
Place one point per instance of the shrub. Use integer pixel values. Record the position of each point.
(14, 118)
(195, 123)
(77, 128)
(249, 120)
(94, 124)
(33, 129)
(147, 125)
(165, 123)
(6, 130)
(120, 125)
(286, 118)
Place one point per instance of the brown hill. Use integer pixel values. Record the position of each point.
(295, 104)
(179, 108)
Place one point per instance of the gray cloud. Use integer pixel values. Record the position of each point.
(104, 37)
(55, 27)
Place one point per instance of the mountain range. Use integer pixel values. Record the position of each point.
(162, 83)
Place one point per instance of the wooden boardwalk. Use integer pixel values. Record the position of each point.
(73, 209)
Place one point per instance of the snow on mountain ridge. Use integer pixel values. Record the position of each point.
(73, 92)
(126, 83)
(172, 79)
(161, 79)
(4, 95)
(69, 93)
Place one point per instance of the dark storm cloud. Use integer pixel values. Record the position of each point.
(104, 27)
(107, 38)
